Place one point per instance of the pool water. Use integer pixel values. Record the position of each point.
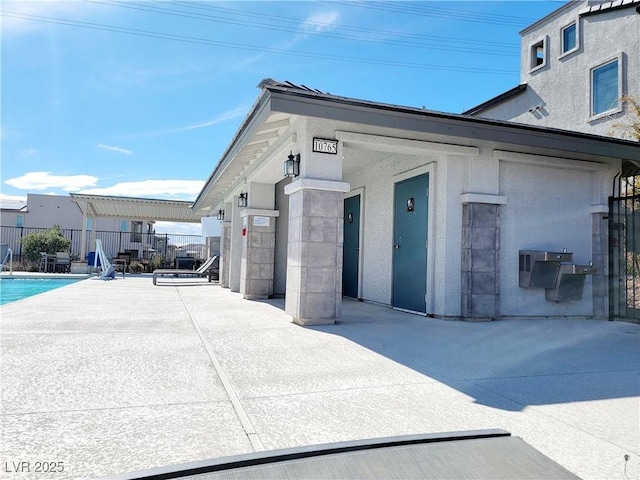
(12, 289)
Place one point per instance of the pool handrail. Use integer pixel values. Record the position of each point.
(6, 253)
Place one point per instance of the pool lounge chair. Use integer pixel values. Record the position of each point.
(208, 269)
(62, 262)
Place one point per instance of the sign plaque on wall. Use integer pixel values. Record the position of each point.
(323, 145)
(261, 221)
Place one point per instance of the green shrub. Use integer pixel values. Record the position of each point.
(135, 267)
(49, 241)
(155, 263)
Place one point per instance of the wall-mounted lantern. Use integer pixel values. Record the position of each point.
(242, 199)
(292, 165)
(220, 214)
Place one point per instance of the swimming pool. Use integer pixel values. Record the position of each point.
(12, 289)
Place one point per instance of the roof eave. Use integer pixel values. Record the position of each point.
(257, 114)
(449, 124)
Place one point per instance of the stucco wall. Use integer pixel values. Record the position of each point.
(562, 88)
(377, 181)
(10, 218)
(547, 209)
(282, 229)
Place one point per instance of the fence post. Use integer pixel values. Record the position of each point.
(166, 241)
(21, 233)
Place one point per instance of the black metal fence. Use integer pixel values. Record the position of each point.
(624, 248)
(140, 246)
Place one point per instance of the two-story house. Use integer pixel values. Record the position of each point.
(577, 66)
(44, 211)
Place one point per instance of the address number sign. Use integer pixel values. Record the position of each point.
(322, 145)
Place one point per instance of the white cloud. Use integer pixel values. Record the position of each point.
(121, 150)
(231, 114)
(316, 23)
(321, 22)
(27, 152)
(44, 180)
(13, 198)
(175, 189)
(15, 20)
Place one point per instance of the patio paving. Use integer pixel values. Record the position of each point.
(110, 377)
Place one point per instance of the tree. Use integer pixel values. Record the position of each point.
(49, 241)
(630, 127)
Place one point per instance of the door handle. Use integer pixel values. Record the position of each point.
(356, 248)
(397, 245)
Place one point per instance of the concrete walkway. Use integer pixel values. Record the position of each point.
(109, 377)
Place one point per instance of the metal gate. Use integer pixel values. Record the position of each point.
(624, 248)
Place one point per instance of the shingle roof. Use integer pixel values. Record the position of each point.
(288, 84)
(607, 6)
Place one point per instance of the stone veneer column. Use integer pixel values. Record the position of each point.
(480, 261)
(600, 258)
(314, 261)
(225, 252)
(258, 253)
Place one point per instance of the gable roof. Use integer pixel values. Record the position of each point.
(279, 102)
(498, 99)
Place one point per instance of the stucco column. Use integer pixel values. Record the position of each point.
(480, 276)
(235, 248)
(314, 264)
(258, 252)
(225, 252)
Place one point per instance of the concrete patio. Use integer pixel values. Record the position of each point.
(110, 377)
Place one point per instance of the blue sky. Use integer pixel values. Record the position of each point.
(141, 98)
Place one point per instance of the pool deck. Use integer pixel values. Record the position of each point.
(114, 376)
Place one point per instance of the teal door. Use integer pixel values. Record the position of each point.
(410, 244)
(351, 247)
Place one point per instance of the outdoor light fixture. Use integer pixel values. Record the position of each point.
(292, 165)
(220, 214)
(242, 199)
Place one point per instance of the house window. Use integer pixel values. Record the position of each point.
(136, 232)
(538, 55)
(89, 224)
(19, 220)
(605, 88)
(123, 225)
(569, 38)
